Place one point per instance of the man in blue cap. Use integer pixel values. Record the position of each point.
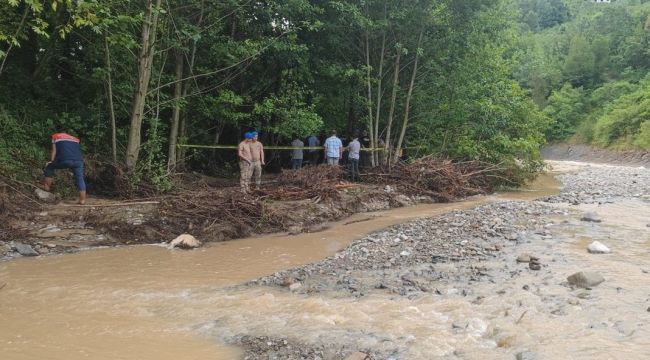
(245, 163)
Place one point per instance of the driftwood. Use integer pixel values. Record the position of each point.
(443, 180)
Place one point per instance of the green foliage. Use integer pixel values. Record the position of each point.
(580, 62)
(602, 52)
(566, 109)
(621, 121)
(287, 116)
(642, 138)
(19, 145)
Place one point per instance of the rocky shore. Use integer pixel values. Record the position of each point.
(494, 253)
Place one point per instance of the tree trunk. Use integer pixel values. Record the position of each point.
(373, 139)
(393, 100)
(111, 107)
(180, 156)
(173, 133)
(379, 92)
(408, 100)
(145, 60)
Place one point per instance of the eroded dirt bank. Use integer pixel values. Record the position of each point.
(292, 201)
(592, 154)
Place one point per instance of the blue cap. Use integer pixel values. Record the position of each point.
(248, 135)
(253, 134)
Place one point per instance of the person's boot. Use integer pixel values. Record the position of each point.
(82, 197)
(47, 183)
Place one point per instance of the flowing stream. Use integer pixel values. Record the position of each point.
(147, 302)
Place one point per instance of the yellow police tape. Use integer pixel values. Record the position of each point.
(234, 147)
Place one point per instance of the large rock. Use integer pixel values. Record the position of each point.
(25, 250)
(585, 279)
(597, 247)
(44, 195)
(591, 217)
(185, 241)
(358, 356)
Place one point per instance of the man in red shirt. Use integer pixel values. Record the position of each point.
(66, 154)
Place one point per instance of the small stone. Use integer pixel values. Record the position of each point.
(584, 295)
(534, 266)
(295, 286)
(44, 195)
(591, 217)
(358, 356)
(648, 310)
(523, 258)
(50, 245)
(294, 230)
(405, 253)
(597, 247)
(25, 250)
(573, 301)
(459, 325)
(526, 355)
(585, 279)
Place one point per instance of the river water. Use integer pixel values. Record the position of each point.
(147, 302)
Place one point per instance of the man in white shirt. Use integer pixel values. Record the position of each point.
(333, 149)
(297, 154)
(354, 148)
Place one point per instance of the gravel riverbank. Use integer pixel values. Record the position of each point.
(479, 258)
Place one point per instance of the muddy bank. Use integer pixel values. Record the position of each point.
(593, 154)
(65, 228)
(404, 286)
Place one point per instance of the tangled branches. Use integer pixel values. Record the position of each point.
(443, 180)
(311, 182)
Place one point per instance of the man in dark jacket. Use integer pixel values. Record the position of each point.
(66, 154)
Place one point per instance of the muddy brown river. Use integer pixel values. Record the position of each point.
(147, 302)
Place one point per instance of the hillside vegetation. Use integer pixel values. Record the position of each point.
(587, 67)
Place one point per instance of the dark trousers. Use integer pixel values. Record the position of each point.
(354, 169)
(314, 157)
(76, 166)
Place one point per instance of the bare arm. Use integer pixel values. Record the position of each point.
(262, 154)
(53, 153)
(240, 153)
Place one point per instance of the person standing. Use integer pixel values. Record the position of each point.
(257, 158)
(365, 156)
(313, 141)
(333, 149)
(245, 163)
(297, 154)
(354, 148)
(65, 154)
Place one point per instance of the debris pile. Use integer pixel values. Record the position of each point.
(211, 211)
(441, 179)
(311, 182)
